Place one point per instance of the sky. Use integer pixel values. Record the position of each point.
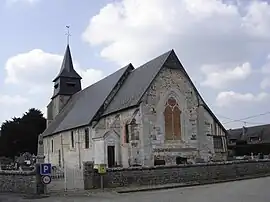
(224, 46)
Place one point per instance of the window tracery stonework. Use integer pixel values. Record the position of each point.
(172, 119)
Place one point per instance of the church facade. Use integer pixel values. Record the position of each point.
(150, 115)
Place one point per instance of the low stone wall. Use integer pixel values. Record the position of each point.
(18, 181)
(200, 173)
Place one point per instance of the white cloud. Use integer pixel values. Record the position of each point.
(36, 68)
(90, 76)
(12, 105)
(265, 83)
(220, 77)
(30, 67)
(257, 17)
(266, 66)
(201, 31)
(31, 73)
(225, 99)
(8, 100)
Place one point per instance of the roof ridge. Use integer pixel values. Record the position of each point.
(154, 65)
(256, 126)
(91, 85)
(155, 58)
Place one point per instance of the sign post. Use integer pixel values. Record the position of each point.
(46, 179)
(101, 171)
(45, 169)
(45, 172)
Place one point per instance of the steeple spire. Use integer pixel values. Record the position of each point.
(67, 69)
(66, 84)
(68, 81)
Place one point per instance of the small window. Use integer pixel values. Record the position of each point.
(86, 137)
(59, 157)
(218, 144)
(52, 144)
(254, 139)
(232, 141)
(159, 162)
(56, 86)
(71, 84)
(72, 139)
(180, 160)
(127, 133)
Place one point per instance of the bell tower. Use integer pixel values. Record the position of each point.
(66, 84)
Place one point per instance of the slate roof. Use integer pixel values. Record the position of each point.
(262, 131)
(136, 85)
(67, 69)
(83, 106)
(76, 113)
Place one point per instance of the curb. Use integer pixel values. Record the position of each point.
(36, 196)
(189, 184)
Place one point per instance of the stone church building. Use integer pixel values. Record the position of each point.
(146, 116)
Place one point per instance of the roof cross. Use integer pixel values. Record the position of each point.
(68, 34)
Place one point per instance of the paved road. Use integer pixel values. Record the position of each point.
(241, 191)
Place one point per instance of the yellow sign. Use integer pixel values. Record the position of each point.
(102, 168)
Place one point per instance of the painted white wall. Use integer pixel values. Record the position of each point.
(99, 151)
(71, 156)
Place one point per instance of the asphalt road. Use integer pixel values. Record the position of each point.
(255, 190)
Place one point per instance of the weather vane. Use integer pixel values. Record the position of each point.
(68, 34)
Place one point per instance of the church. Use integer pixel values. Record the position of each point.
(145, 116)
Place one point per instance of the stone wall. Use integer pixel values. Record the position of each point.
(18, 181)
(199, 173)
(196, 139)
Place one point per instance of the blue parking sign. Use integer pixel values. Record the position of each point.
(45, 169)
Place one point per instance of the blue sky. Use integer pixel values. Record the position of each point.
(42, 25)
(223, 46)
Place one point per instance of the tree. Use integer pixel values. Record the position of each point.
(20, 135)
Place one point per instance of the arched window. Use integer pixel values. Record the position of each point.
(172, 117)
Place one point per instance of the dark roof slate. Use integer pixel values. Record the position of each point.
(67, 70)
(262, 131)
(235, 133)
(83, 106)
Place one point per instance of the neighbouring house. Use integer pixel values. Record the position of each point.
(141, 116)
(247, 140)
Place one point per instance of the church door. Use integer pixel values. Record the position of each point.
(111, 156)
